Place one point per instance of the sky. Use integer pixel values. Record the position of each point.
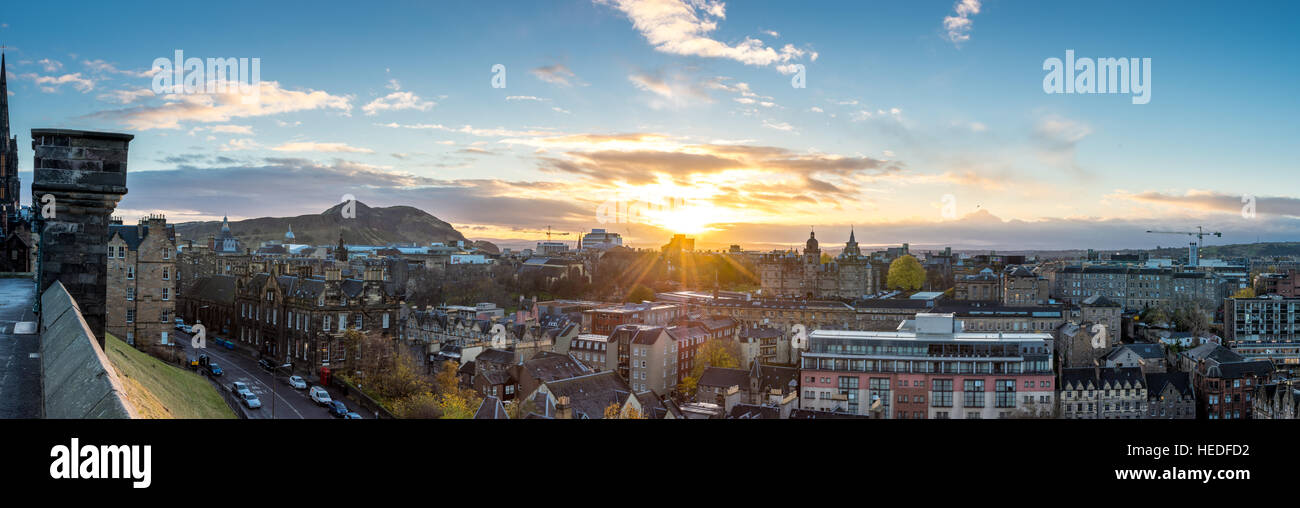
(920, 122)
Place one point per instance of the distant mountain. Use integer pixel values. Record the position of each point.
(372, 226)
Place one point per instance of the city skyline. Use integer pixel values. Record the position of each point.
(923, 123)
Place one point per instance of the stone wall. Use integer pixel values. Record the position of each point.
(77, 377)
(85, 174)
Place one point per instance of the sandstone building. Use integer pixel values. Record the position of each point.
(141, 298)
(847, 276)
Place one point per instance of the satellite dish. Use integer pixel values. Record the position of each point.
(799, 337)
(1099, 336)
(498, 336)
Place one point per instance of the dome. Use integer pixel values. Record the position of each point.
(812, 242)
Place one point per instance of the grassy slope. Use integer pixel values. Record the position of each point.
(159, 390)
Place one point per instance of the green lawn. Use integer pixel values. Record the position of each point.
(159, 390)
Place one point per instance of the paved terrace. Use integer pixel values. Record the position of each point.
(20, 363)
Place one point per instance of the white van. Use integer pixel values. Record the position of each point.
(319, 395)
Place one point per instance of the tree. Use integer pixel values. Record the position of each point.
(458, 406)
(639, 294)
(721, 353)
(905, 273)
(611, 411)
(1244, 293)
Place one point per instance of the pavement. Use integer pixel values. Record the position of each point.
(279, 400)
(20, 363)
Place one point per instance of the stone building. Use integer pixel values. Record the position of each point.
(292, 318)
(847, 276)
(1020, 286)
(1170, 396)
(1278, 400)
(142, 283)
(1103, 393)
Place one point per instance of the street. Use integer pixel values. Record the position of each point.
(20, 364)
(279, 400)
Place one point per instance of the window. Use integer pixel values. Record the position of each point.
(1006, 392)
(385, 320)
(163, 340)
(941, 396)
(973, 393)
(130, 293)
(130, 272)
(165, 273)
(130, 315)
(848, 385)
(166, 293)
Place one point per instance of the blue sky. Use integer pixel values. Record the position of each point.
(645, 101)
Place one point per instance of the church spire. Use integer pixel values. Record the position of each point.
(4, 103)
(851, 239)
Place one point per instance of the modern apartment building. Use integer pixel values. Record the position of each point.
(929, 368)
(1264, 328)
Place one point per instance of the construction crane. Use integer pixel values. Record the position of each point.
(548, 233)
(1193, 250)
(1200, 234)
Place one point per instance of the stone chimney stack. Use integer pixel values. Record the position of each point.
(83, 173)
(332, 273)
(563, 409)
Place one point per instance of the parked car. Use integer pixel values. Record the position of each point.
(338, 409)
(187, 329)
(238, 386)
(297, 382)
(352, 415)
(214, 369)
(320, 396)
(265, 365)
(249, 399)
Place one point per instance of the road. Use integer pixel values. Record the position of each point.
(279, 400)
(20, 363)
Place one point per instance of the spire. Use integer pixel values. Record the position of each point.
(4, 103)
(851, 239)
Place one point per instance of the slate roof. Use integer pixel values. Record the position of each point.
(1214, 353)
(1102, 378)
(724, 377)
(589, 395)
(1145, 351)
(496, 356)
(548, 366)
(654, 408)
(491, 409)
(1099, 301)
(1156, 382)
(131, 234)
(810, 414)
(1237, 370)
(754, 412)
(215, 288)
(772, 377)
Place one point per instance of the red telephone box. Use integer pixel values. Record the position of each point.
(324, 376)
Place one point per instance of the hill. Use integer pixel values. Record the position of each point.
(159, 390)
(372, 226)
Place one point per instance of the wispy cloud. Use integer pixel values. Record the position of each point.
(557, 74)
(397, 101)
(682, 27)
(959, 24)
(309, 146)
(272, 99)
